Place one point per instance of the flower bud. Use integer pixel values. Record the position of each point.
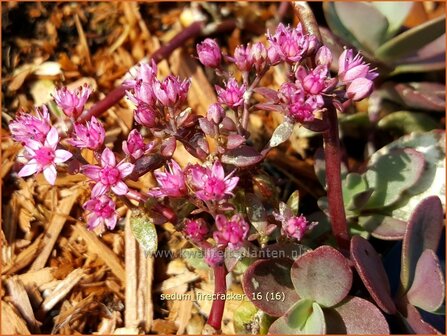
(359, 89)
(323, 56)
(209, 53)
(242, 58)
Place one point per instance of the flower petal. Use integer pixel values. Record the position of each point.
(120, 188)
(91, 171)
(125, 168)
(99, 189)
(50, 174)
(108, 158)
(52, 138)
(217, 170)
(29, 169)
(62, 155)
(111, 221)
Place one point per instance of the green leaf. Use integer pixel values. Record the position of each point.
(406, 122)
(322, 275)
(353, 185)
(194, 257)
(299, 313)
(243, 317)
(144, 230)
(336, 25)
(391, 174)
(353, 15)
(411, 40)
(294, 202)
(395, 12)
(383, 227)
(423, 232)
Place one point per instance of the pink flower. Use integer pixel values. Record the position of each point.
(231, 232)
(27, 127)
(323, 56)
(359, 89)
(241, 57)
(290, 44)
(196, 230)
(102, 210)
(314, 81)
(134, 146)
(110, 175)
(145, 72)
(296, 227)
(146, 115)
(89, 136)
(297, 104)
(258, 56)
(209, 53)
(211, 183)
(232, 95)
(142, 93)
(351, 67)
(172, 92)
(44, 157)
(72, 102)
(172, 182)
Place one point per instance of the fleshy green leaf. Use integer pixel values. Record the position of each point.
(391, 174)
(354, 184)
(322, 275)
(370, 268)
(194, 258)
(395, 12)
(243, 317)
(243, 156)
(270, 276)
(304, 317)
(428, 288)
(353, 14)
(383, 227)
(413, 39)
(422, 95)
(406, 122)
(282, 133)
(143, 229)
(423, 232)
(355, 316)
(294, 202)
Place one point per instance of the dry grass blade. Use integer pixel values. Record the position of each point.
(11, 322)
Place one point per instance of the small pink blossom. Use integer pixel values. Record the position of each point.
(110, 175)
(144, 72)
(196, 229)
(296, 227)
(102, 212)
(291, 44)
(351, 67)
(211, 183)
(232, 95)
(72, 102)
(134, 146)
(172, 182)
(44, 157)
(172, 91)
(359, 89)
(28, 127)
(231, 232)
(315, 81)
(241, 57)
(146, 115)
(209, 53)
(258, 56)
(89, 136)
(323, 56)
(142, 92)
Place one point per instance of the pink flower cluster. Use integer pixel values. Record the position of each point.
(72, 102)
(231, 232)
(292, 226)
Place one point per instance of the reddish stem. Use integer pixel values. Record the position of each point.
(333, 180)
(220, 289)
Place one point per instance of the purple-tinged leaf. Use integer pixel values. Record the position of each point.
(370, 268)
(316, 125)
(395, 12)
(270, 276)
(383, 227)
(228, 124)
(234, 141)
(168, 146)
(304, 318)
(268, 107)
(413, 318)
(281, 134)
(268, 93)
(406, 122)
(243, 156)
(355, 316)
(413, 39)
(426, 96)
(322, 275)
(423, 232)
(284, 250)
(391, 174)
(146, 164)
(185, 118)
(428, 288)
(207, 127)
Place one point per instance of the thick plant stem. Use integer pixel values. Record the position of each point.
(220, 289)
(333, 180)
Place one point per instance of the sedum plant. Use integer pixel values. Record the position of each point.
(224, 202)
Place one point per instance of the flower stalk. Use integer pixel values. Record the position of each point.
(220, 289)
